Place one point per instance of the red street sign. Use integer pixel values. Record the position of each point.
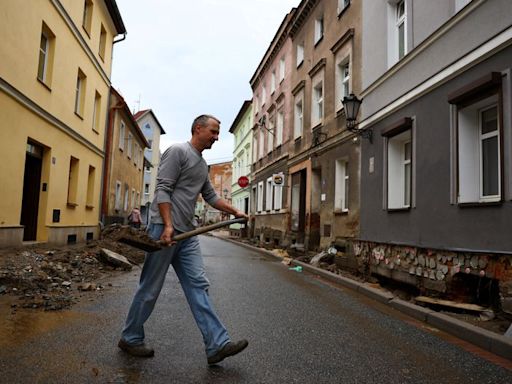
(243, 181)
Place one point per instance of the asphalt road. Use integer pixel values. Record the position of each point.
(300, 330)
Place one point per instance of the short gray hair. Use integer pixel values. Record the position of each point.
(202, 120)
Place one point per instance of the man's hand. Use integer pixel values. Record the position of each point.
(167, 235)
(239, 215)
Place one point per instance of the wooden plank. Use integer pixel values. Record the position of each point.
(450, 304)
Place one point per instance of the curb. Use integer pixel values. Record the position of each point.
(490, 341)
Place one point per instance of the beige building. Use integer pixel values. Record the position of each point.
(54, 85)
(324, 156)
(124, 163)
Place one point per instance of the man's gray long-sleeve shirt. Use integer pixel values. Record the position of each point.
(182, 175)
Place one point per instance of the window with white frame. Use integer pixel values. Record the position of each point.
(270, 134)
(117, 203)
(273, 82)
(269, 194)
(317, 99)
(126, 195)
(298, 119)
(341, 187)
(342, 80)
(300, 54)
(281, 69)
(133, 198)
(122, 129)
(279, 128)
(319, 29)
(129, 145)
(479, 152)
(146, 189)
(342, 4)
(278, 197)
(399, 170)
(401, 29)
(259, 206)
(261, 144)
(46, 53)
(255, 148)
(81, 81)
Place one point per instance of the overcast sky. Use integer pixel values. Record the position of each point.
(185, 58)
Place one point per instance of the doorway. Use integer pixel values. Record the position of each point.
(31, 188)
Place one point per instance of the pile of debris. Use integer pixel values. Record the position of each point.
(55, 277)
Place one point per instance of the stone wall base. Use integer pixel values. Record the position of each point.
(71, 235)
(447, 273)
(11, 236)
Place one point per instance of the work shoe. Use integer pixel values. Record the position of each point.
(229, 349)
(139, 350)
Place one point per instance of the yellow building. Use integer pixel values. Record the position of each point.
(55, 71)
(124, 162)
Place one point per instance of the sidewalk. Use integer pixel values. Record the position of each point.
(487, 340)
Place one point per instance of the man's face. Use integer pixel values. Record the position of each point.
(209, 133)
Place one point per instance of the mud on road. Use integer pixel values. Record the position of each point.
(49, 277)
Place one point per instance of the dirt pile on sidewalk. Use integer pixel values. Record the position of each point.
(55, 277)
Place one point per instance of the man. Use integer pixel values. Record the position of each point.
(182, 175)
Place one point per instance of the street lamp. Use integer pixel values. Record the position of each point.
(351, 104)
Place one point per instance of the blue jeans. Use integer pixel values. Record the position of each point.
(186, 259)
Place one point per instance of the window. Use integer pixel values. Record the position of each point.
(46, 50)
(401, 29)
(342, 4)
(478, 146)
(298, 121)
(259, 207)
(126, 195)
(341, 186)
(90, 187)
(96, 112)
(103, 42)
(300, 54)
(281, 69)
(129, 145)
(73, 181)
(122, 128)
(270, 135)
(133, 198)
(255, 148)
(148, 169)
(87, 16)
(260, 144)
(269, 195)
(279, 128)
(138, 199)
(317, 107)
(278, 197)
(81, 80)
(273, 82)
(479, 151)
(146, 189)
(319, 29)
(342, 81)
(399, 154)
(263, 95)
(117, 204)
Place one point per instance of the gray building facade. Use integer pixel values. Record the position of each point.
(436, 183)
